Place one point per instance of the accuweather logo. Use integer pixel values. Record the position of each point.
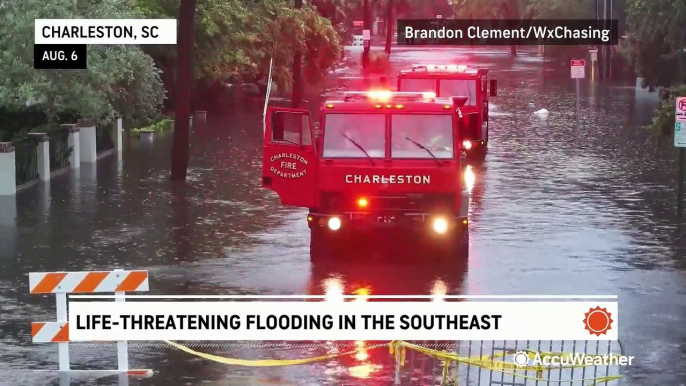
(523, 358)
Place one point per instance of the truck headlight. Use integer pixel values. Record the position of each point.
(440, 225)
(334, 223)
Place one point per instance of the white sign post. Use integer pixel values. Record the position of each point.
(680, 142)
(578, 72)
(366, 34)
(680, 134)
(578, 69)
(594, 55)
(680, 113)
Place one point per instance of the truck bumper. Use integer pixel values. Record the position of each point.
(363, 222)
(476, 147)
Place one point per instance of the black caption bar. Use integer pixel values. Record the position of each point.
(60, 57)
(507, 32)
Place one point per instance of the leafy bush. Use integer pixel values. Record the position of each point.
(157, 127)
(119, 78)
(663, 121)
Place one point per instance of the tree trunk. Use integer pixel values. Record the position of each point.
(297, 70)
(389, 27)
(179, 166)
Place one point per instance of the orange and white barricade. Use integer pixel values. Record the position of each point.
(63, 283)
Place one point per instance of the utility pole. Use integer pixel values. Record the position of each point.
(367, 26)
(610, 47)
(605, 58)
(297, 70)
(389, 27)
(182, 110)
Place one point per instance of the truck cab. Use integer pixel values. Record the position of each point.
(450, 80)
(382, 161)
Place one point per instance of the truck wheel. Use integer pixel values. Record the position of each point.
(481, 153)
(458, 247)
(463, 244)
(321, 247)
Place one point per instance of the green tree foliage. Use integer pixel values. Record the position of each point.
(663, 121)
(234, 39)
(119, 79)
(656, 40)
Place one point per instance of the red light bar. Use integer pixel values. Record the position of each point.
(386, 96)
(440, 67)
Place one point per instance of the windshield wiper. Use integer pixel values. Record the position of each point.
(419, 145)
(359, 147)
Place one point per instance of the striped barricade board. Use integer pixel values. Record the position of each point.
(88, 282)
(63, 283)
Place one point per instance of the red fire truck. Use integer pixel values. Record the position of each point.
(454, 80)
(382, 160)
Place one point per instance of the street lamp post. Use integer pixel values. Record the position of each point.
(297, 69)
(367, 26)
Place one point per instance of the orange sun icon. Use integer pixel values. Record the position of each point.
(598, 321)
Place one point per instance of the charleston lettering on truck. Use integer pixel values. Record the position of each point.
(288, 155)
(392, 179)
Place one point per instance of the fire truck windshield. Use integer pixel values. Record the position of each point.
(459, 87)
(418, 85)
(413, 136)
(433, 132)
(350, 135)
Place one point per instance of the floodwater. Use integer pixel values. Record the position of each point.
(580, 202)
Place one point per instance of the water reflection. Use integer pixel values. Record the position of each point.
(354, 272)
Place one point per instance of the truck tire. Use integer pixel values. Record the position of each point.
(457, 250)
(321, 247)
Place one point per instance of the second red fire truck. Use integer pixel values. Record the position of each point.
(457, 80)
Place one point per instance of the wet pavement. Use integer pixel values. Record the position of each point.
(580, 202)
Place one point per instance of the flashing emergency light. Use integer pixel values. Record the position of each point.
(440, 225)
(362, 202)
(467, 144)
(439, 67)
(334, 223)
(381, 96)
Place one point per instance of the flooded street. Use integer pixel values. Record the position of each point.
(580, 202)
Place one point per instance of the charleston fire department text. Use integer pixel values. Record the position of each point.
(392, 179)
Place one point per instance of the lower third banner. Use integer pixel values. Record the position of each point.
(264, 321)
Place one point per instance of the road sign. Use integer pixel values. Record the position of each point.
(358, 23)
(439, 16)
(578, 69)
(366, 34)
(680, 113)
(680, 134)
(594, 55)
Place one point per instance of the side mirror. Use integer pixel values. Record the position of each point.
(494, 87)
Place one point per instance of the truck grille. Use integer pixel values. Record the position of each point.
(420, 203)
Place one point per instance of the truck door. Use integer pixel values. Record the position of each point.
(470, 130)
(289, 160)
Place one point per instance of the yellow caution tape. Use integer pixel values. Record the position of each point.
(487, 362)
(263, 362)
